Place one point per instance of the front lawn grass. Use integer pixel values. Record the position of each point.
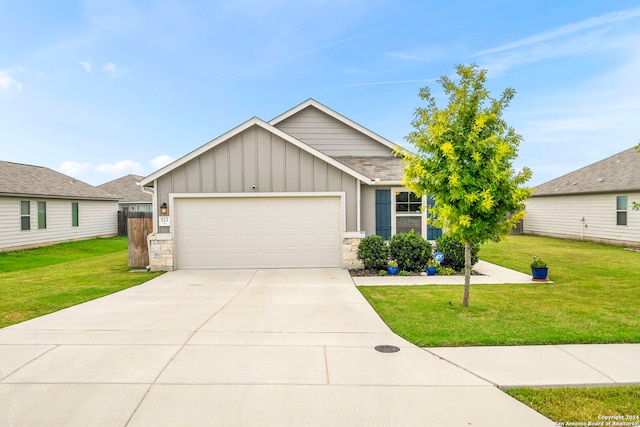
(594, 299)
(583, 405)
(35, 282)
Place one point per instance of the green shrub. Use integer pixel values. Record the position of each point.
(411, 251)
(453, 251)
(404, 273)
(373, 251)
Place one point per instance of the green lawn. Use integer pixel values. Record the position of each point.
(585, 405)
(594, 299)
(38, 281)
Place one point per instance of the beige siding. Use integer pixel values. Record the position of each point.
(562, 216)
(96, 218)
(258, 158)
(368, 208)
(330, 135)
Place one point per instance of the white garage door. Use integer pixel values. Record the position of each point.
(257, 232)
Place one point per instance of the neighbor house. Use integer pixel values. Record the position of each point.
(39, 206)
(592, 203)
(130, 196)
(301, 190)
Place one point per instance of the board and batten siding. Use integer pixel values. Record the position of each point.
(329, 135)
(561, 216)
(95, 218)
(256, 160)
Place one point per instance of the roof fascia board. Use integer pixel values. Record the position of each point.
(241, 128)
(312, 102)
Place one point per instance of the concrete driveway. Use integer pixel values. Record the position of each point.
(242, 347)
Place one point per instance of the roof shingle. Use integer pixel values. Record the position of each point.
(618, 173)
(127, 189)
(27, 180)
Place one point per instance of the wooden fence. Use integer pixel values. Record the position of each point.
(136, 226)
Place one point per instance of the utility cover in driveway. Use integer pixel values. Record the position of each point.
(257, 232)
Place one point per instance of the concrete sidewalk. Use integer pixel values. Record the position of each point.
(549, 365)
(236, 348)
(489, 274)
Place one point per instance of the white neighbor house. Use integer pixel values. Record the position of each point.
(592, 203)
(39, 206)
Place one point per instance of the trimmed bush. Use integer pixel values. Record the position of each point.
(453, 251)
(373, 251)
(410, 250)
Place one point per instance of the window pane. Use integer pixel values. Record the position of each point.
(405, 224)
(42, 215)
(25, 223)
(25, 208)
(621, 203)
(74, 214)
(621, 218)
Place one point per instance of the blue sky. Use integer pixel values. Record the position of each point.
(100, 89)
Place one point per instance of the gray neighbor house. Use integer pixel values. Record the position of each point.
(39, 206)
(592, 203)
(127, 190)
(301, 190)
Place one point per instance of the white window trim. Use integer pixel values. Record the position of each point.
(423, 216)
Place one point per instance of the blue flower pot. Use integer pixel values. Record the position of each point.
(392, 270)
(431, 271)
(539, 273)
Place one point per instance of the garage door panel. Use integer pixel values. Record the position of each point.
(260, 232)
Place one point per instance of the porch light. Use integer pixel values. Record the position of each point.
(164, 209)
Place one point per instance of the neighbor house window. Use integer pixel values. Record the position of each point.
(74, 214)
(621, 210)
(408, 212)
(42, 215)
(25, 215)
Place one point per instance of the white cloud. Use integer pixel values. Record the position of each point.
(123, 167)
(161, 161)
(7, 82)
(565, 30)
(111, 68)
(86, 65)
(74, 168)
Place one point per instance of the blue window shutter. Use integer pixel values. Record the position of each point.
(433, 233)
(383, 213)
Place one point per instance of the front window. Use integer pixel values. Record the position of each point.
(74, 214)
(408, 212)
(621, 210)
(25, 215)
(42, 215)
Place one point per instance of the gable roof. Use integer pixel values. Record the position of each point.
(126, 189)
(313, 103)
(239, 129)
(383, 169)
(618, 173)
(17, 179)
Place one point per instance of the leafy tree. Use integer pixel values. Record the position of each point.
(464, 156)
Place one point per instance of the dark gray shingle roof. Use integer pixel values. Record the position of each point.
(126, 189)
(28, 180)
(384, 168)
(618, 173)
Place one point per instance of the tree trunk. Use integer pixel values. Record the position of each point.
(467, 272)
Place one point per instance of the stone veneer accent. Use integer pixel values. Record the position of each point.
(160, 251)
(350, 242)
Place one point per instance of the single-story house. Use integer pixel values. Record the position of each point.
(39, 206)
(592, 203)
(301, 190)
(129, 193)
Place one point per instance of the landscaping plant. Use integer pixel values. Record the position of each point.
(373, 252)
(464, 160)
(410, 250)
(453, 251)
